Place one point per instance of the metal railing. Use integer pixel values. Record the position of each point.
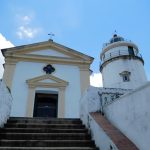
(108, 56)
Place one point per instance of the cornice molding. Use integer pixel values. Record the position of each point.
(45, 59)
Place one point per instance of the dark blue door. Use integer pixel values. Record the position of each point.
(45, 105)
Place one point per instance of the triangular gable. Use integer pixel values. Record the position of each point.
(37, 48)
(46, 81)
(49, 52)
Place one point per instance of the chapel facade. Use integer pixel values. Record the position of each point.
(46, 79)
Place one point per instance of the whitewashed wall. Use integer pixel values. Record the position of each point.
(112, 78)
(5, 103)
(102, 140)
(90, 102)
(131, 114)
(93, 99)
(28, 70)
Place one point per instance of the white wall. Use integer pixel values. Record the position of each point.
(131, 114)
(102, 140)
(112, 78)
(5, 103)
(28, 70)
(90, 102)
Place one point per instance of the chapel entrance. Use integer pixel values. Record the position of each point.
(45, 105)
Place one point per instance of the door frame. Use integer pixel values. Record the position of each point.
(59, 85)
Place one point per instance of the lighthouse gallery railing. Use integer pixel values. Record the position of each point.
(118, 53)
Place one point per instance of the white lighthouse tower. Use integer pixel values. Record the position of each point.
(121, 64)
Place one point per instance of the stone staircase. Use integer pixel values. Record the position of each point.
(45, 134)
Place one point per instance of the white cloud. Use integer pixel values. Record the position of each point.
(96, 79)
(26, 19)
(25, 29)
(27, 32)
(3, 44)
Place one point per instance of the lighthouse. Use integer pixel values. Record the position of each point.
(122, 66)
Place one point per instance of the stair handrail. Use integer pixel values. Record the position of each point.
(5, 103)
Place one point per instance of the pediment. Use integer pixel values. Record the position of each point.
(49, 52)
(47, 81)
(48, 49)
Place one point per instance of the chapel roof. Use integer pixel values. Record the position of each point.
(44, 44)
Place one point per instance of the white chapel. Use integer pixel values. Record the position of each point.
(46, 79)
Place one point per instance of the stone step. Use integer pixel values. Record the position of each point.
(49, 121)
(47, 148)
(41, 118)
(32, 125)
(45, 136)
(47, 143)
(41, 130)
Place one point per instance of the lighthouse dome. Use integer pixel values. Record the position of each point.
(116, 38)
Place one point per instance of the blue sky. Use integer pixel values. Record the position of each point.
(83, 25)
